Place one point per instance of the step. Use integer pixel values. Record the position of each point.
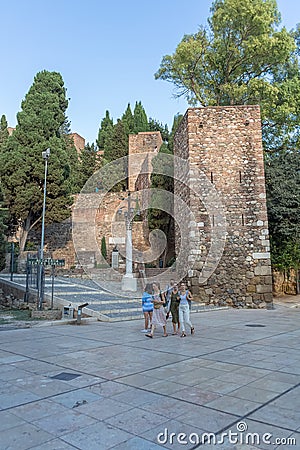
(135, 311)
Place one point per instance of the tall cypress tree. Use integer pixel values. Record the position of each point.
(105, 130)
(128, 120)
(21, 164)
(3, 131)
(140, 118)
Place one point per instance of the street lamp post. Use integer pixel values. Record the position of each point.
(129, 283)
(45, 155)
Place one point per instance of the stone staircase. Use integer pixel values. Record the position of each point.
(119, 310)
(102, 304)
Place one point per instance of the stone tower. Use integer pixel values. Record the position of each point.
(224, 172)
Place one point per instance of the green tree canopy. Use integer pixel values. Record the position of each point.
(140, 118)
(105, 130)
(21, 163)
(243, 57)
(283, 197)
(3, 131)
(232, 61)
(128, 120)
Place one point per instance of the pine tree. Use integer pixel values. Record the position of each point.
(140, 118)
(105, 130)
(3, 131)
(21, 164)
(128, 120)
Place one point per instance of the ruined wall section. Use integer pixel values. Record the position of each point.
(224, 143)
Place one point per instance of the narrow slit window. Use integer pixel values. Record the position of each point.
(211, 177)
(243, 220)
(240, 176)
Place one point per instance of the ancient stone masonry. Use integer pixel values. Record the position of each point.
(224, 186)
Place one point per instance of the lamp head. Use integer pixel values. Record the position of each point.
(46, 153)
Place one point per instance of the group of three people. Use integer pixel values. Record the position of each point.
(158, 305)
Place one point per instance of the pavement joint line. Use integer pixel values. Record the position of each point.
(248, 415)
(239, 418)
(119, 380)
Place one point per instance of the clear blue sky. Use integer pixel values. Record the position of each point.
(106, 51)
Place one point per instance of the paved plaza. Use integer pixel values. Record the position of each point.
(101, 386)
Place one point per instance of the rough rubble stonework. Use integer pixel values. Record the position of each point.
(225, 144)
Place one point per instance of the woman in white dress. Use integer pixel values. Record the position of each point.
(159, 316)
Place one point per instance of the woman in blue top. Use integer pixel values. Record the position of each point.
(147, 305)
(184, 310)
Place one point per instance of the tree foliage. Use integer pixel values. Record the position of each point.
(21, 164)
(155, 125)
(232, 61)
(128, 120)
(243, 57)
(140, 118)
(3, 131)
(105, 130)
(283, 197)
(103, 248)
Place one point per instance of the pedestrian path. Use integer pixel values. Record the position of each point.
(103, 303)
(234, 385)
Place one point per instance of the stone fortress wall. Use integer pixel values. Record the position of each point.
(225, 145)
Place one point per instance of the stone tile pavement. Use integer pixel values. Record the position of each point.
(106, 386)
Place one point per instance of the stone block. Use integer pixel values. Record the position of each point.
(263, 288)
(251, 288)
(249, 274)
(261, 255)
(262, 270)
(53, 314)
(268, 298)
(194, 281)
(268, 280)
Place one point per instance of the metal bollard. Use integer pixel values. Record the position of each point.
(79, 311)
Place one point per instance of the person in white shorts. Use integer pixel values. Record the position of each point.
(184, 310)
